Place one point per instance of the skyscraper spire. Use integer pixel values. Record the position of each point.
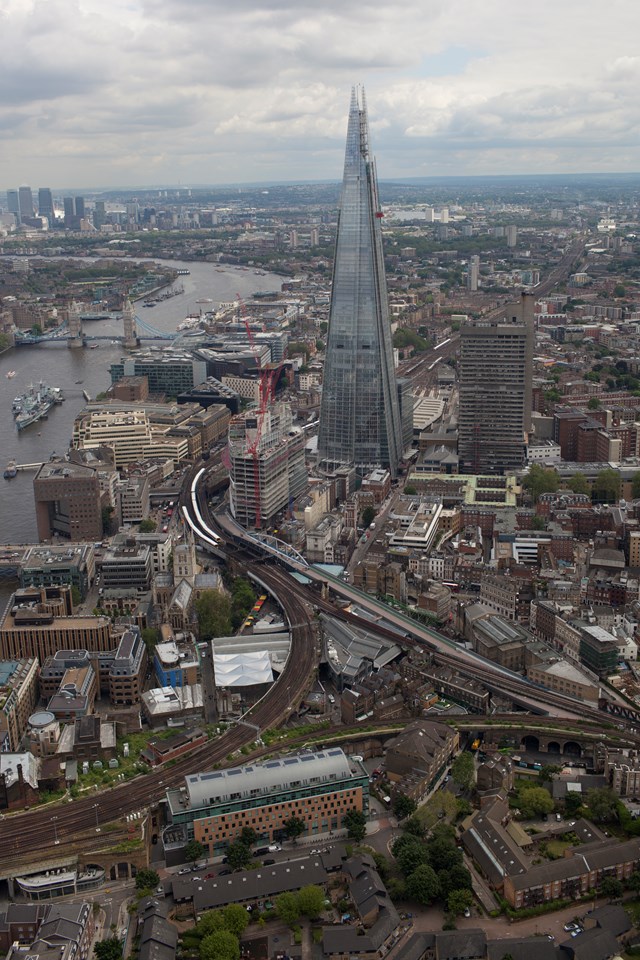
(359, 416)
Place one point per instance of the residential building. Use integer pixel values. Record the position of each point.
(415, 758)
(359, 416)
(320, 788)
(495, 370)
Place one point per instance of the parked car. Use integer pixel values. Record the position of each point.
(268, 862)
(224, 873)
(568, 927)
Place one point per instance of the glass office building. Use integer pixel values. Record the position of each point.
(359, 417)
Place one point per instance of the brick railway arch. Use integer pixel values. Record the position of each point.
(572, 748)
(553, 747)
(530, 743)
(122, 871)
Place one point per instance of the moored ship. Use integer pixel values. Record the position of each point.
(35, 404)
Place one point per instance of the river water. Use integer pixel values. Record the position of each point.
(62, 367)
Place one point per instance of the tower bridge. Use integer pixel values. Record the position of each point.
(71, 331)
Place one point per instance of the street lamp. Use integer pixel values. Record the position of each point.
(95, 807)
(55, 831)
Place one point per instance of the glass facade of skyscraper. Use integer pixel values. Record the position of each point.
(359, 417)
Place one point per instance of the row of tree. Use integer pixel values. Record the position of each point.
(432, 868)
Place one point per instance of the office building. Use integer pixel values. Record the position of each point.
(267, 464)
(68, 501)
(168, 373)
(495, 368)
(121, 671)
(25, 200)
(56, 565)
(18, 697)
(80, 210)
(319, 788)
(13, 203)
(37, 622)
(45, 205)
(359, 416)
(127, 565)
(69, 211)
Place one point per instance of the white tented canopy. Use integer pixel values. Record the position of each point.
(242, 669)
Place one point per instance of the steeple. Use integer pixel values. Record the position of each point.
(359, 416)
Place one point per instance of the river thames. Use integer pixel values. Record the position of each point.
(88, 369)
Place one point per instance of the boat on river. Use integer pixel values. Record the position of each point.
(35, 404)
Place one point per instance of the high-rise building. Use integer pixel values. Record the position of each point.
(267, 464)
(80, 210)
(68, 501)
(13, 203)
(359, 416)
(473, 273)
(69, 211)
(495, 370)
(45, 205)
(25, 199)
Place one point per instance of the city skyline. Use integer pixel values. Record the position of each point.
(197, 94)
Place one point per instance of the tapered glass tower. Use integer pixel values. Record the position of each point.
(359, 416)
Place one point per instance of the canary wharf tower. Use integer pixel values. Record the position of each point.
(359, 417)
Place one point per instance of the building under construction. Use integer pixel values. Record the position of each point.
(267, 467)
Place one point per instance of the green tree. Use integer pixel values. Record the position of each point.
(221, 945)
(356, 823)
(593, 403)
(442, 853)
(311, 901)
(210, 922)
(572, 803)
(110, 949)
(547, 772)
(235, 918)
(578, 483)
(193, 851)
(294, 827)
(541, 480)
(463, 770)
(150, 636)
(423, 885)
(368, 516)
(619, 290)
(288, 908)
(107, 520)
(534, 801)
(403, 806)
(414, 826)
(147, 879)
(147, 525)
(602, 803)
(238, 855)
(213, 609)
(76, 597)
(410, 490)
(456, 878)
(410, 855)
(458, 901)
(606, 488)
(538, 523)
(248, 836)
(610, 887)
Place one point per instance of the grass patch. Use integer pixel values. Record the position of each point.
(556, 849)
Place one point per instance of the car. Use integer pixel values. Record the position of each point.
(224, 873)
(184, 870)
(568, 927)
(268, 862)
(154, 838)
(209, 876)
(314, 852)
(550, 936)
(467, 912)
(274, 847)
(160, 891)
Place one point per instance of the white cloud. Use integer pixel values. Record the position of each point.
(205, 91)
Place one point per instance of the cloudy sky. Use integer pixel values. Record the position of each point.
(168, 92)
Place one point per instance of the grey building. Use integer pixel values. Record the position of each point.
(495, 368)
(359, 417)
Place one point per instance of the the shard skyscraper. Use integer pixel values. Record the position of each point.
(359, 416)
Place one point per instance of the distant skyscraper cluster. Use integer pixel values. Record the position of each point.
(21, 204)
(360, 418)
